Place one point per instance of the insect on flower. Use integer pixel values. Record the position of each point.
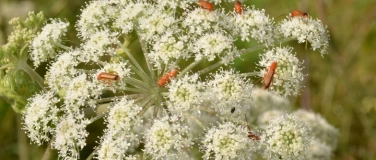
(232, 109)
(238, 7)
(297, 13)
(268, 77)
(109, 77)
(167, 77)
(251, 135)
(206, 5)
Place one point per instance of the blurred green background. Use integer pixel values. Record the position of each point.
(341, 85)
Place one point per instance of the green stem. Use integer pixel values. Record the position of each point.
(186, 69)
(6, 66)
(137, 68)
(143, 47)
(93, 153)
(47, 153)
(60, 45)
(207, 69)
(208, 110)
(110, 99)
(33, 75)
(198, 122)
(146, 107)
(263, 46)
(250, 74)
(22, 140)
(138, 90)
(96, 118)
(137, 83)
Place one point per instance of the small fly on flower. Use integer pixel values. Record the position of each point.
(238, 7)
(206, 5)
(167, 77)
(109, 77)
(268, 78)
(297, 13)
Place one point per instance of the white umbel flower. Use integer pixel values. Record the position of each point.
(96, 16)
(286, 137)
(288, 76)
(264, 101)
(321, 129)
(167, 139)
(70, 135)
(40, 117)
(166, 49)
(129, 14)
(43, 46)
(319, 150)
(79, 91)
(119, 135)
(62, 70)
(97, 45)
(184, 94)
(228, 141)
(306, 29)
(184, 4)
(254, 23)
(265, 117)
(212, 45)
(227, 90)
(155, 22)
(199, 21)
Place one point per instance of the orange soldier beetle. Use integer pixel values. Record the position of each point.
(251, 135)
(206, 5)
(167, 77)
(297, 13)
(238, 7)
(109, 77)
(268, 78)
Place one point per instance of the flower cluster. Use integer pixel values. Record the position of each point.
(228, 90)
(43, 46)
(228, 141)
(306, 29)
(151, 69)
(288, 74)
(41, 112)
(286, 137)
(167, 139)
(120, 134)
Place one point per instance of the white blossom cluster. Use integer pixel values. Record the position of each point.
(167, 139)
(228, 141)
(288, 75)
(226, 90)
(43, 47)
(143, 66)
(286, 137)
(120, 133)
(306, 29)
(41, 112)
